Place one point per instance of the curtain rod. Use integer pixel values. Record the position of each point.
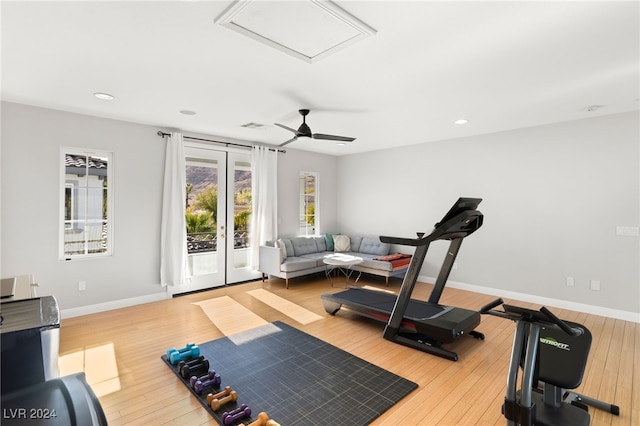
(163, 134)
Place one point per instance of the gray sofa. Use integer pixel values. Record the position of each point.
(295, 257)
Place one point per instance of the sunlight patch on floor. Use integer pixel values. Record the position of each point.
(290, 309)
(229, 316)
(99, 365)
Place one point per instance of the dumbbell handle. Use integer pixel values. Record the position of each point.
(177, 356)
(262, 420)
(201, 384)
(191, 362)
(235, 411)
(217, 403)
(185, 349)
(210, 375)
(224, 392)
(237, 414)
(186, 370)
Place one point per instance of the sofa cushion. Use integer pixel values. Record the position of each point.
(376, 264)
(397, 260)
(293, 264)
(321, 244)
(317, 257)
(287, 246)
(283, 250)
(341, 243)
(304, 245)
(328, 238)
(355, 241)
(373, 245)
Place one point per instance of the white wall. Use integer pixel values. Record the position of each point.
(289, 167)
(553, 196)
(30, 202)
(31, 142)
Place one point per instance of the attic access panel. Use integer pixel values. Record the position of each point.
(309, 30)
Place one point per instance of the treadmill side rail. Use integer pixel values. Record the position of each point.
(413, 341)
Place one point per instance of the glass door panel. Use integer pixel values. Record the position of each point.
(205, 218)
(238, 219)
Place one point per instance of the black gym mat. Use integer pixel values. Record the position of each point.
(298, 379)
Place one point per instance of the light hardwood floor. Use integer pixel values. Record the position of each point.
(138, 389)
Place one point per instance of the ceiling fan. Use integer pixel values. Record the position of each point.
(305, 131)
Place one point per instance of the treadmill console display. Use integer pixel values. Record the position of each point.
(463, 204)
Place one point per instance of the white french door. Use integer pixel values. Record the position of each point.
(217, 209)
(238, 204)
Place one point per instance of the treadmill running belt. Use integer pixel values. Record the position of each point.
(384, 302)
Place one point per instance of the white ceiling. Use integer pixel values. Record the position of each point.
(501, 65)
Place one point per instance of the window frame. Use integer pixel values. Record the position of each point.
(69, 187)
(303, 215)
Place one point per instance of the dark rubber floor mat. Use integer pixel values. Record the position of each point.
(297, 379)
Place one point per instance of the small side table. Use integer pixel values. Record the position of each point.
(343, 263)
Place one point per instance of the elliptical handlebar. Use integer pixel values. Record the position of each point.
(571, 331)
(516, 313)
(489, 306)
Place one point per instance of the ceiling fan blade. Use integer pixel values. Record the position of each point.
(293, 139)
(332, 137)
(294, 131)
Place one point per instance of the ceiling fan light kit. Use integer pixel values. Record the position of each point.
(305, 132)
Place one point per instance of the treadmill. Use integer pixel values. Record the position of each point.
(416, 323)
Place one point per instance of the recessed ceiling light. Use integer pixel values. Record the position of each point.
(341, 144)
(461, 121)
(187, 112)
(104, 96)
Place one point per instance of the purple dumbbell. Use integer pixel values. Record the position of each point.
(210, 379)
(239, 413)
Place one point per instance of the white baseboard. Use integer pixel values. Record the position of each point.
(116, 304)
(546, 301)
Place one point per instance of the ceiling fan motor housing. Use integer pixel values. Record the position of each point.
(304, 129)
(305, 132)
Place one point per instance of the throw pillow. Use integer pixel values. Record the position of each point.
(341, 243)
(329, 240)
(283, 250)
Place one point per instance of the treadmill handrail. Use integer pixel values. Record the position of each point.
(443, 231)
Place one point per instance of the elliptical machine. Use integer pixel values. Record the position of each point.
(553, 355)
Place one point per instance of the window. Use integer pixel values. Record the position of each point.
(308, 203)
(86, 210)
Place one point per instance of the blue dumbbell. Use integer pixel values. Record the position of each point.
(176, 355)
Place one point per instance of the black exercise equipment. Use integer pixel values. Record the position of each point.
(415, 323)
(552, 354)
